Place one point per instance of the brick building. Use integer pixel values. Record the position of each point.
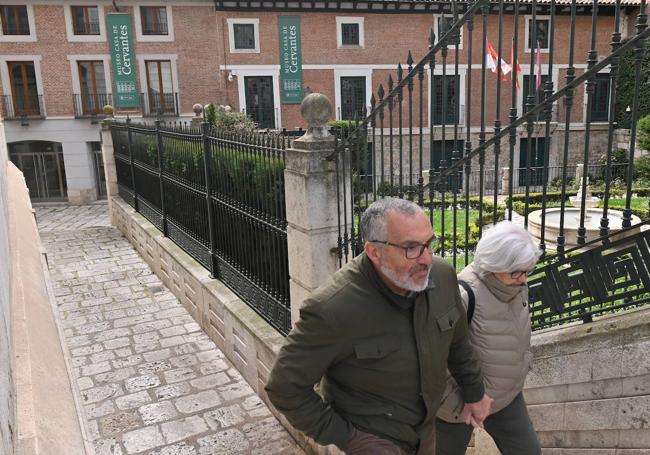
(55, 70)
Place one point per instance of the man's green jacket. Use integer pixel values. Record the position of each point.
(381, 367)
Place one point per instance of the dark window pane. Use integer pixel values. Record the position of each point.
(541, 34)
(444, 24)
(23, 88)
(600, 100)
(154, 20)
(450, 91)
(353, 97)
(244, 36)
(85, 20)
(531, 162)
(538, 94)
(350, 34)
(14, 20)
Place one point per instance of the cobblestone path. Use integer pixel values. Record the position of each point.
(150, 380)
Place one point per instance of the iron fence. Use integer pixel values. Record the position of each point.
(91, 104)
(496, 162)
(220, 197)
(18, 107)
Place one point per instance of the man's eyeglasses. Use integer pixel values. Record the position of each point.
(413, 251)
(520, 274)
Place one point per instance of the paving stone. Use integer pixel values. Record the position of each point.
(85, 383)
(284, 446)
(107, 447)
(263, 431)
(213, 366)
(154, 367)
(157, 412)
(197, 402)
(255, 407)
(172, 390)
(152, 356)
(143, 382)
(117, 343)
(120, 422)
(225, 417)
(101, 393)
(133, 400)
(179, 374)
(115, 375)
(142, 439)
(173, 331)
(176, 449)
(233, 391)
(226, 442)
(172, 341)
(183, 428)
(211, 381)
(96, 410)
(186, 360)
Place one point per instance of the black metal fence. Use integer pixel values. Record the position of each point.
(453, 168)
(220, 197)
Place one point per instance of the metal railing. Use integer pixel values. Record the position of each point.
(455, 171)
(159, 104)
(220, 197)
(21, 107)
(89, 105)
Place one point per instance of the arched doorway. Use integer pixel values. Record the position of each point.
(42, 165)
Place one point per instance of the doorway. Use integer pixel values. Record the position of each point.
(259, 100)
(41, 162)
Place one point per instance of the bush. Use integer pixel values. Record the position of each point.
(224, 120)
(642, 168)
(643, 132)
(625, 88)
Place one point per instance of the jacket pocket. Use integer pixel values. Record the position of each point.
(375, 348)
(448, 319)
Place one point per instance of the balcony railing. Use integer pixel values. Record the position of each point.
(89, 105)
(22, 107)
(159, 104)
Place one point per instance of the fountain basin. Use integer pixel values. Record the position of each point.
(572, 222)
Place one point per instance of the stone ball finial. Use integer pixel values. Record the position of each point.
(108, 110)
(316, 109)
(197, 109)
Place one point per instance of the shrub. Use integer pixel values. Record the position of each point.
(224, 120)
(642, 167)
(643, 132)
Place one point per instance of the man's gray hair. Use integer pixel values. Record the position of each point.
(507, 247)
(373, 221)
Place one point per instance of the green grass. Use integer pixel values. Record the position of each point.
(449, 221)
(640, 203)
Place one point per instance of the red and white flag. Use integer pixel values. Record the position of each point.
(515, 64)
(492, 58)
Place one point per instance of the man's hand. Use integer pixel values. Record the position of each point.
(475, 413)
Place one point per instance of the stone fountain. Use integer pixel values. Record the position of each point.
(593, 215)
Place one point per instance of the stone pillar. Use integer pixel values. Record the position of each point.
(310, 193)
(109, 160)
(580, 171)
(505, 180)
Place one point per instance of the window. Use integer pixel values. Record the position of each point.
(161, 96)
(442, 24)
(85, 20)
(536, 161)
(541, 30)
(154, 20)
(25, 98)
(353, 97)
(349, 32)
(538, 95)
(244, 35)
(15, 20)
(445, 95)
(93, 87)
(444, 150)
(600, 100)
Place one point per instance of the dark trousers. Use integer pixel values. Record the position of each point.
(369, 444)
(510, 428)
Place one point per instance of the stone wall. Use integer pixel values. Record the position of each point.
(7, 387)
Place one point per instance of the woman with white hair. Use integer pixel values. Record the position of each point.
(499, 330)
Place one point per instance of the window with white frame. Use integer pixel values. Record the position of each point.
(153, 23)
(243, 35)
(441, 25)
(349, 32)
(17, 23)
(538, 34)
(85, 23)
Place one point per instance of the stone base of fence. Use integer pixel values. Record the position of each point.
(246, 339)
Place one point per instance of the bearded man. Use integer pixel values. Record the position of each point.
(378, 338)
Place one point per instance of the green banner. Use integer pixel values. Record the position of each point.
(122, 60)
(290, 60)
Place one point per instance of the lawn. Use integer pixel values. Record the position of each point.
(640, 203)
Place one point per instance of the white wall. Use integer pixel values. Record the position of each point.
(7, 389)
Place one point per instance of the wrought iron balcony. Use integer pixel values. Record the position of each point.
(89, 105)
(159, 104)
(22, 107)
